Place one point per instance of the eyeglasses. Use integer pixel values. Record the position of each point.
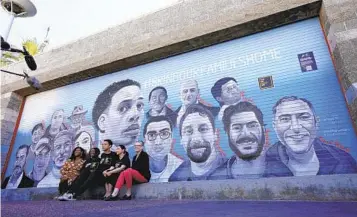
(163, 135)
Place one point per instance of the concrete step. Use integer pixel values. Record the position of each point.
(316, 188)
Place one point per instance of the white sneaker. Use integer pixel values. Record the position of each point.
(67, 197)
(61, 196)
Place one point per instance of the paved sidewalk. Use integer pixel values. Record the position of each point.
(172, 208)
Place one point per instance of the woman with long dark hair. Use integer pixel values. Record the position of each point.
(71, 169)
(139, 172)
(111, 174)
(85, 178)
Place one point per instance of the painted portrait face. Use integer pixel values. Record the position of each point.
(77, 120)
(41, 162)
(37, 134)
(84, 140)
(295, 125)
(230, 93)
(157, 100)
(123, 118)
(189, 92)
(198, 137)
(57, 119)
(245, 135)
(158, 139)
(62, 148)
(20, 161)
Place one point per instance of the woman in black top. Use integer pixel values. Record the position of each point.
(111, 174)
(89, 168)
(96, 178)
(139, 171)
(92, 162)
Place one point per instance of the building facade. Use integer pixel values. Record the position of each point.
(216, 89)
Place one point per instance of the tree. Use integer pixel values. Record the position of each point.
(31, 45)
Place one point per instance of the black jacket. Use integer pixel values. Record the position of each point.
(142, 165)
(26, 182)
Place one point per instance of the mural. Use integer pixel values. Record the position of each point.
(158, 132)
(229, 111)
(17, 177)
(244, 126)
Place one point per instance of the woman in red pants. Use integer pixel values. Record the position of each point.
(139, 172)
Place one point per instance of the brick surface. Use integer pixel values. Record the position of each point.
(351, 24)
(10, 106)
(341, 15)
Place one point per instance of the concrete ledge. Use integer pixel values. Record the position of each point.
(313, 188)
(184, 27)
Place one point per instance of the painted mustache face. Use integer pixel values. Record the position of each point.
(199, 151)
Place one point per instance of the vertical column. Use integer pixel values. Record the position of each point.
(10, 110)
(339, 20)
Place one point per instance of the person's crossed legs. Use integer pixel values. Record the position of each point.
(127, 176)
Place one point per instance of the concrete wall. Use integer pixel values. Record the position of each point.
(313, 188)
(339, 20)
(10, 109)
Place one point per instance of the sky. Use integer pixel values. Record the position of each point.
(70, 20)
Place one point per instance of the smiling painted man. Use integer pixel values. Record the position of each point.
(198, 138)
(299, 151)
(244, 125)
(118, 113)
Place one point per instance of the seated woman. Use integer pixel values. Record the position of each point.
(118, 166)
(96, 177)
(90, 166)
(71, 169)
(139, 171)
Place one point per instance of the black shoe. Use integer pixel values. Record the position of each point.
(126, 197)
(106, 198)
(111, 198)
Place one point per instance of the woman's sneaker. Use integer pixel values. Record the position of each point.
(67, 197)
(61, 196)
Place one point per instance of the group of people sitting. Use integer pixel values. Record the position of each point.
(111, 169)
